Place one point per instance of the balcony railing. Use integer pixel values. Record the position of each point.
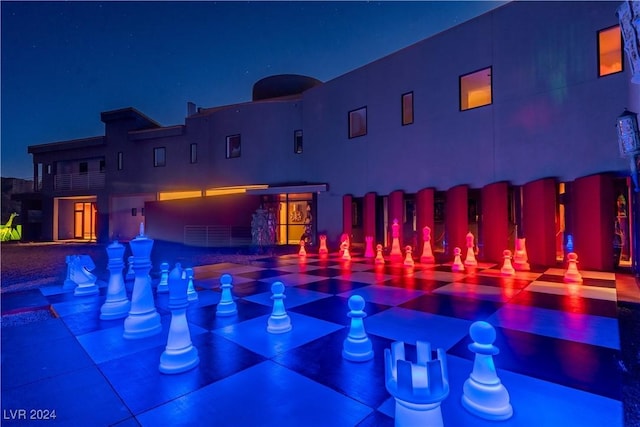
(78, 181)
(216, 235)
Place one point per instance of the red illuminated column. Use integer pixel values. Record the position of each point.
(456, 217)
(593, 206)
(539, 221)
(347, 214)
(369, 220)
(396, 211)
(495, 220)
(424, 214)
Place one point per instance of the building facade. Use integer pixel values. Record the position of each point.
(503, 126)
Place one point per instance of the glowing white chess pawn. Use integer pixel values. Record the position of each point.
(357, 346)
(572, 274)
(408, 259)
(507, 269)
(457, 262)
(379, 258)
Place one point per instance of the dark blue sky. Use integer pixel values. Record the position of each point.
(63, 63)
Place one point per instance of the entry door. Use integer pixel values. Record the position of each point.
(84, 221)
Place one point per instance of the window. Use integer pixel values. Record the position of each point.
(193, 153)
(407, 108)
(119, 160)
(159, 156)
(475, 89)
(233, 146)
(84, 167)
(134, 211)
(49, 169)
(609, 51)
(358, 122)
(297, 142)
(102, 165)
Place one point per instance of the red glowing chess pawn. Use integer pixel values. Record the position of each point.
(302, 252)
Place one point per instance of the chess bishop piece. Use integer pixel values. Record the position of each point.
(379, 257)
(302, 252)
(322, 250)
(408, 259)
(227, 306)
(427, 254)
(483, 392)
(396, 252)
(507, 269)
(163, 285)
(279, 322)
(418, 388)
(470, 260)
(117, 305)
(572, 275)
(457, 262)
(179, 355)
(520, 258)
(357, 346)
(192, 295)
(143, 320)
(368, 251)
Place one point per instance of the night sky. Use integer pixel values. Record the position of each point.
(63, 63)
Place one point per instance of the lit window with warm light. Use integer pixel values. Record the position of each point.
(475, 89)
(609, 51)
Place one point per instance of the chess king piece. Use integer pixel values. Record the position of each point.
(130, 273)
(323, 245)
(470, 260)
(179, 355)
(396, 252)
(572, 275)
(379, 258)
(427, 254)
(457, 262)
(68, 283)
(117, 305)
(163, 285)
(507, 269)
(192, 295)
(483, 392)
(279, 322)
(368, 251)
(302, 252)
(81, 268)
(346, 255)
(143, 320)
(357, 346)
(227, 306)
(520, 258)
(408, 259)
(418, 388)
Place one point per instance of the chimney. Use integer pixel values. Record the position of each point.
(191, 109)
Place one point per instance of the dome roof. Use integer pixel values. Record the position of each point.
(282, 85)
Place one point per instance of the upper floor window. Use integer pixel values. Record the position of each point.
(475, 89)
(193, 153)
(407, 108)
(120, 162)
(159, 156)
(609, 51)
(233, 146)
(358, 122)
(84, 167)
(49, 169)
(102, 165)
(297, 141)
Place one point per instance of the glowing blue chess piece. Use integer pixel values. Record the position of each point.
(227, 306)
(357, 346)
(279, 321)
(192, 295)
(117, 305)
(163, 285)
(569, 243)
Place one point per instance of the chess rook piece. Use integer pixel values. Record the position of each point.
(192, 295)
(130, 273)
(226, 306)
(179, 355)
(408, 259)
(427, 254)
(163, 285)
(507, 269)
(572, 275)
(483, 392)
(81, 268)
(323, 245)
(520, 258)
(418, 388)
(396, 252)
(346, 255)
(68, 283)
(302, 252)
(357, 346)
(379, 258)
(143, 320)
(368, 251)
(457, 262)
(470, 260)
(117, 304)
(279, 321)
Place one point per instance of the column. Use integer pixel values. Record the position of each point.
(347, 214)
(495, 220)
(539, 221)
(456, 219)
(396, 211)
(424, 214)
(369, 213)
